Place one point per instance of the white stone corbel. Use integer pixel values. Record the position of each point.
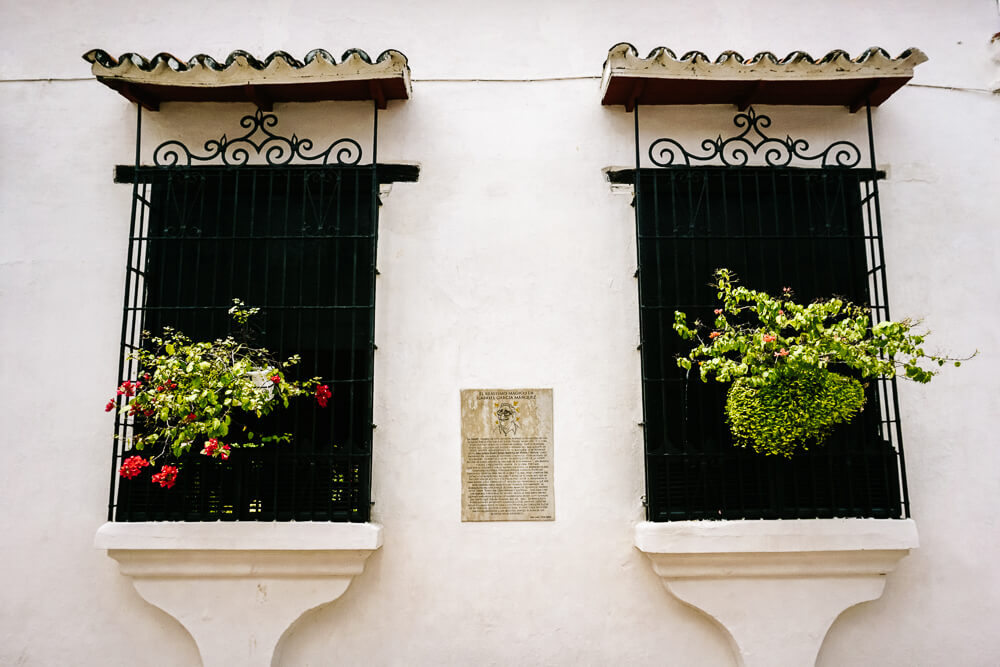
(237, 587)
(776, 587)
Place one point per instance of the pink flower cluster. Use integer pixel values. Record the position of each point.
(323, 395)
(167, 476)
(128, 388)
(214, 448)
(132, 466)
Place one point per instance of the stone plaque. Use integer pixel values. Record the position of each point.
(507, 455)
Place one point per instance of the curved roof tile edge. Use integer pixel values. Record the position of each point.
(101, 58)
(797, 79)
(909, 58)
(241, 77)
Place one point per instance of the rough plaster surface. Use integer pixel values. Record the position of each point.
(508, 264)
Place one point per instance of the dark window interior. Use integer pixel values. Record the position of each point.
(298, 243)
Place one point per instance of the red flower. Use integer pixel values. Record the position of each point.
(110, 406)
(127, 388)
(210, 447)
(191, 416)
(167, 476)
(769, 339)
(718, 311)
(714, 334)
(782, 353)
(132, 466)
(149, 412)
(160, 388)
(323, 395)
(276, 379)
(224, 452)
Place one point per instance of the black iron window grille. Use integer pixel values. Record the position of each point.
(291, 230)
(778, 214)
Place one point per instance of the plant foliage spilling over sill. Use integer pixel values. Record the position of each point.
(797, 370)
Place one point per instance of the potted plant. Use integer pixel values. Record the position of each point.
(797, 371)
(187, 394)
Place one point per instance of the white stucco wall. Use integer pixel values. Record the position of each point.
(509, 264)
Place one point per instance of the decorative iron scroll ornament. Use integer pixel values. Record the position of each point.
(736, 151)
(275, 149)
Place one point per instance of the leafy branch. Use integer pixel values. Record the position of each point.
(189, 392)
(754, 334)
(794, 367)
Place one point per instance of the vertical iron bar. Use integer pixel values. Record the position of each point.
(651, 502)
(278, 450)
(197, 246)
(706, 454)
(335, 333)
(366, 484)
(778, 241)
(692, 458)
(125, 312)
(298, 453)
(352, 333)
(140, 295)
(320, 248)
(661, 381)
(885, 297)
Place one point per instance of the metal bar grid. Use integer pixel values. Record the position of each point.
(300, 244)
(816, 230)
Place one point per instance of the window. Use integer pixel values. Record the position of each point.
(284, 225)
(806, 219)
(298, 241)
(814, 229)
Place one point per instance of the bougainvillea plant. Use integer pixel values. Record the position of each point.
(188, 392)
(797, 370)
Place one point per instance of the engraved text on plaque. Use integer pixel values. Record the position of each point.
(507, 455)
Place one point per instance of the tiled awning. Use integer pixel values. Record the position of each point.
(242, 78)
(835, 79)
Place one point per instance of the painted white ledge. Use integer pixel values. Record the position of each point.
(237, 587)
(776, 587)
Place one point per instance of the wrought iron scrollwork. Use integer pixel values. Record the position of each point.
(260, 141)
(753, 142)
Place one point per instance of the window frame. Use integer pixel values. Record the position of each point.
(756, 145)
(267, 153)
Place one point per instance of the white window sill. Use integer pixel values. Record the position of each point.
(237, 587)
(776, 587)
